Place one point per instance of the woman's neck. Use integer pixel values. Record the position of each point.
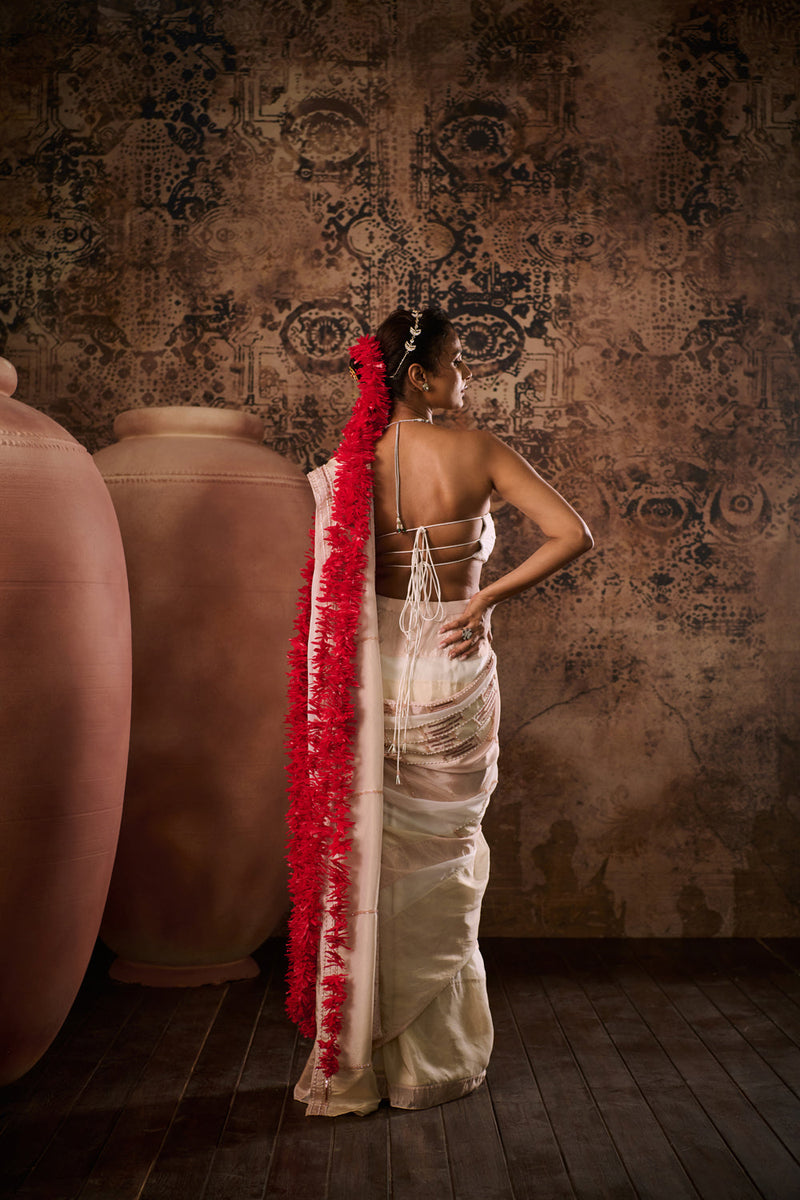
(415, 410)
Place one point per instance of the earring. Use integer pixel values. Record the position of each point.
(426, 387)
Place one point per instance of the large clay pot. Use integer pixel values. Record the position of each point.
(65, 665)
(215, 528)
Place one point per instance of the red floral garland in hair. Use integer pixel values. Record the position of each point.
(321, 722)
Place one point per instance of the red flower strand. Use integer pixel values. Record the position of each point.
(321, 724)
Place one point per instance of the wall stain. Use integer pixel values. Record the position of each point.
(697, 919)
(769, 881)
(561, 904)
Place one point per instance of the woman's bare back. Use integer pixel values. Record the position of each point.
(444, 487)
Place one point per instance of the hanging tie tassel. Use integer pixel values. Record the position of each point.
(419, 608)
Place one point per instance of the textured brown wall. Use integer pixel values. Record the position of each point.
(207, 204)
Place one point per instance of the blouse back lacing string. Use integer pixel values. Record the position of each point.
(423, 600)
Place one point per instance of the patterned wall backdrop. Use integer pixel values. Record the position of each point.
(207, 203)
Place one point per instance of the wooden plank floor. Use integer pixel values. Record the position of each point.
(657, 1069)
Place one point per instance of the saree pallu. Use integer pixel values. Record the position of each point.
(416, 1023)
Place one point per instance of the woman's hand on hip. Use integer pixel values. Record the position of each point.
(464, 633)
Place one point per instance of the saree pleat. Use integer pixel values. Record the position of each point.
(417, 1027)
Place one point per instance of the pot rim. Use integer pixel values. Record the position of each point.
(188, 420)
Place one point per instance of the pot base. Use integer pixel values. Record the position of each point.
(162, 975)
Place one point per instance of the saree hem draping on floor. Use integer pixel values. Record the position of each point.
(428, 1095)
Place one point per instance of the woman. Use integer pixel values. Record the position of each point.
(394, 711)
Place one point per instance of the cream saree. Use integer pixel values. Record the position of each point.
(416, 1023)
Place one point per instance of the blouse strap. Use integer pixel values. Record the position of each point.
(449, 546)
(438, 525)
(399, 526)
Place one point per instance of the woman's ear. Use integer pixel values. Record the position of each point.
(416, 374)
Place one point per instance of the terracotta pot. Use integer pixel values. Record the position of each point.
(64, 720)
(215, 528)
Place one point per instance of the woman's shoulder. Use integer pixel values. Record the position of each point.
(464, 435)
(474, 441)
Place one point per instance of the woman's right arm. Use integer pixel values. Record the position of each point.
(566, 535)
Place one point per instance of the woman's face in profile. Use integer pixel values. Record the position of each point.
(449, 382)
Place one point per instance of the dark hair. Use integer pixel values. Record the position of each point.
(394, 332)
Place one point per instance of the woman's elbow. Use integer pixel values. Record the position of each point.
(580, 539)
(575, 539)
